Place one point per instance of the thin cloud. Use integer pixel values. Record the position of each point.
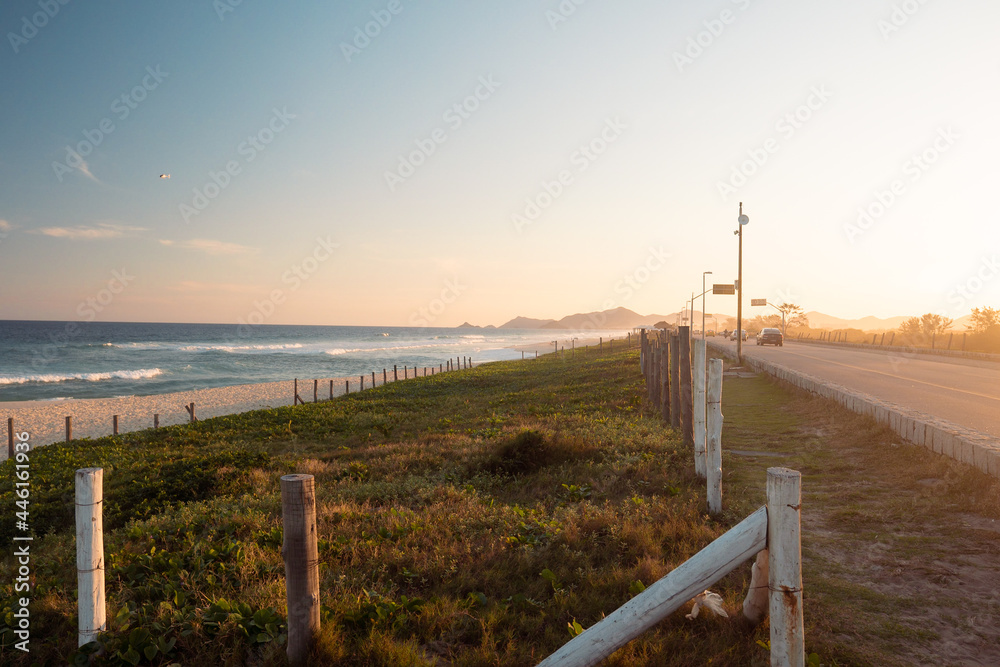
(210, 247)
(102, 230)
(5, 226)
(85, 170)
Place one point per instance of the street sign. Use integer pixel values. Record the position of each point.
(758, 302)
(723, 288)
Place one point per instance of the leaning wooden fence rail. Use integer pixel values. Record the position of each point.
(773, 532)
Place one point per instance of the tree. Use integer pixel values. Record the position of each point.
(794, 315)
(984, 318)
(910, 326)
(927, 324)
(931, 323)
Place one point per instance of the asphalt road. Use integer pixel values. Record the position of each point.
(962, 391)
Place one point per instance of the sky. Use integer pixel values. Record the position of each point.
(409, 162)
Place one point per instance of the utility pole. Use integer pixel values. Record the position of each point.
(739, 289)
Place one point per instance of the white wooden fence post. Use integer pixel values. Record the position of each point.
(90, 553)
(699, 407)
(784, 535)
(713, 470)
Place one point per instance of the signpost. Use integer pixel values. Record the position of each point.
(723, 288)
(758, 302)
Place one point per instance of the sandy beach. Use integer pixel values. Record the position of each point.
(45, 421)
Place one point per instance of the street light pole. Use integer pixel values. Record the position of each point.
(703, 274)
(739, 290)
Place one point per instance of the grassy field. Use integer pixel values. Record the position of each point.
(473, 518)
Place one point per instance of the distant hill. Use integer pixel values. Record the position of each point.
(623, 318)
(524, 323)
(615, 318)
(819, 320)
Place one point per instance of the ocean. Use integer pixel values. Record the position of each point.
(61, 360)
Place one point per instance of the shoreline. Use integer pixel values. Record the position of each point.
(45, 419)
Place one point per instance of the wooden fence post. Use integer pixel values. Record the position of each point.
(297, 399)
(347, 387)
(90, 554)
(300, 551)
(758, 599)
(651, 383)
(10, 437)
(675, 379)
(190, 411)
(315, 391)
(687, 397)
(665, 387)
(395, 373)
(699, 407)
(385, 376)
(373, 379)
(114, 424)
(713, 462)
(156, 420)
(784, 535)
(642, 351)
(406, 372)
(331, 390)
(69, 428)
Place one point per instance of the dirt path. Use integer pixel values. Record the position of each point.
(901, 547)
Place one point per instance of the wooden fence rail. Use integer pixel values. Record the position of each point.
(776, 524)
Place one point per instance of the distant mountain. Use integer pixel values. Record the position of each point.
(819, 320)
(466, 325)
(524, 323)
(618, 318)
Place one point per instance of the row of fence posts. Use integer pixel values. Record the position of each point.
(674, 369)
(299, 550)
(458, 363)
(452, 364)
(877, 341)
(600, 345)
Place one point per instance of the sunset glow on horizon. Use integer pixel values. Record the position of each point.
(358, 165)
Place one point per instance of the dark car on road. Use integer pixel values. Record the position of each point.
(770, 337)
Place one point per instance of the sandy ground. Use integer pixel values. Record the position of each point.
(45, 421)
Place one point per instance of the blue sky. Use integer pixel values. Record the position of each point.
(597, 157)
